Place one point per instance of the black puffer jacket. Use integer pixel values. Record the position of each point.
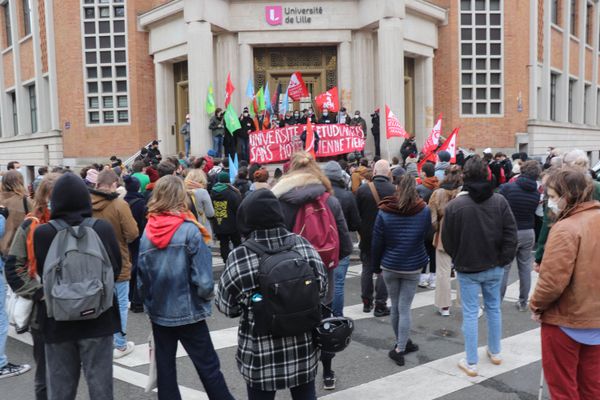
(348, 203)
(523, 198)
(368, 208)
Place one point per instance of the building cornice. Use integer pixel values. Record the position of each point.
(427, 9)
(160, 13)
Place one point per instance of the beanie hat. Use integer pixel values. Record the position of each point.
(444, 156)
(333, 171)
(92, 176)
(132, 184)
(223, 177)
(259, 210)
(398, 172)
(382, 167)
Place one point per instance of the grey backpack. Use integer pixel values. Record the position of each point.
(78, 274)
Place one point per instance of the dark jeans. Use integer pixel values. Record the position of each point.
(431, 253)
(302, 392)
(243, 148)
(366, 282)
(224, 240)
(39, 356)
(377, 148)
(196, 341)
(65, 360)
(134, 297)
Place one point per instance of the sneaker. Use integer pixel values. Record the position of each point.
(367, 306)
(329, 381)
(410, 347)
(444, 312)
(431, 281)
(424, 281)
(469, 369)
(521, 307)
(381, 311)
(118, 353)
(398, 357)
(496, 359)
(13, 370)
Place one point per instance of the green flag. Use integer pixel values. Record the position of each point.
(260, 99)
(210, 101)
(231, 120)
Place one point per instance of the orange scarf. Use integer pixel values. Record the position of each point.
(37, 218)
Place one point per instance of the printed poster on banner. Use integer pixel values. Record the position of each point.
(296, 88)
(328, 100)
(276, 145)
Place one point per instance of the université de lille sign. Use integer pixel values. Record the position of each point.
(279, 15)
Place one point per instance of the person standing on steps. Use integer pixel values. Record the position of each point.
(368, 197)
(185, 131)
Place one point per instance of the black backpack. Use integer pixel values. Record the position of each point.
(288, 302)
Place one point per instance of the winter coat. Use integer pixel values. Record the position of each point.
(437, 204)
(297, 357)
(427, 187)
(368, 208)
(226, 199)
(137, 205)
(348, 203)
(109, 207)
(247, 124)
(523, 198)
(480, 231)
(216, 126)
(204, 207)
(329, 119)
(360, 121)
(440, 169)
(567, 290)
(408, 147)
(296, 189)
(16, 205)
(399, 237)
(374, 125)
(243, 185)
(359, 175)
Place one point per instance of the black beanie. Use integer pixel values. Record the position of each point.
(70, 199)
(132, 184)
(260, 210)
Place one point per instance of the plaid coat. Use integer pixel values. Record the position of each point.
(266, 362)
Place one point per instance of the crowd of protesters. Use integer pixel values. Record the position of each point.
(417, 225)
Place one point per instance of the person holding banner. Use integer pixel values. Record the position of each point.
(326, 118)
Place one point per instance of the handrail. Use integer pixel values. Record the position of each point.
(131, 159)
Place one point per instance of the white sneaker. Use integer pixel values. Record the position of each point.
(118, 353)
(496, 359)
(444, 312)
(432, 281)
(13, 370)
(424, 281)
(469, 369)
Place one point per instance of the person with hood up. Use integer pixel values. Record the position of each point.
(398, 250)
(175, 282)
(333, 171)
(217, 128)
(480, 234)
(361, 174)
(137, 205)
(73, 345)
(107, 205)
(260, 218)
(523, 198)
(449, 188)
(304, 183)
(565, 300)
(442, 165)
(226, 199)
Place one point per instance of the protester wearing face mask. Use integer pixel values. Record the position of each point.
(296, 118)
(342, 117)
(247, 125)
(217, 128)
(326, 118)
(357, 120)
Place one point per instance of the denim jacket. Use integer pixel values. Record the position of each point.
(176, 283)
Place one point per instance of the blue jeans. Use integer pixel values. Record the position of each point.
(187, 146)
(3, 316)
(217, 144)
(122, 292)
(489, 282)
(339, 277)
(401, 288)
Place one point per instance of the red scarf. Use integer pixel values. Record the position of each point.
(37, 217)
(161, 227)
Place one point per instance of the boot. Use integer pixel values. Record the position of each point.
(367, 305)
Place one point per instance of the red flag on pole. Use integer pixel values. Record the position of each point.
(434, 137)
(450, 145)
(229, 88)
(297, 88)
(392, 125)
(328, 100)
(310, 139)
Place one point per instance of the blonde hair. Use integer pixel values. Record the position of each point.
(169, 195)
(43, 192)
(197, 176)
(13, 182)
(303, 162)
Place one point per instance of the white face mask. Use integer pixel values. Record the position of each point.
(554, 207)
(355, 116)
(325, 114)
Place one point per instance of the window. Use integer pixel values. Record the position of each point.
(574, 17)
(32, 108)
(481, 51)
(589, 24)
(555, 11)
(27, 17)
(7, 24)
(105, 53)
(13, 101)
(553, 81)
(572, 83)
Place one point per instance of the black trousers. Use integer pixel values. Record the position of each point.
(302, 392)
(224, 240)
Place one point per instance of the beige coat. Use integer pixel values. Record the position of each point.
(16, 214)
(437, 204)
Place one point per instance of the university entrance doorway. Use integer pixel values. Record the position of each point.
(318, 66)
(182, 102)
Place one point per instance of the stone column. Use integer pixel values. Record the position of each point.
(246, 70)
(165, 107)
(200, 65)
(363, 82)
(390, 39)
(227, 61)
(423, 99)
(533, 56)
(344, 67)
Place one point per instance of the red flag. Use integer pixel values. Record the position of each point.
(432, 157)
(229, 88)
(392, 125)
(450, 145)
(328, 100)
(297, 88)
(434, 137)
(310, 139)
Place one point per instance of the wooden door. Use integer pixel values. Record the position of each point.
(183, 108)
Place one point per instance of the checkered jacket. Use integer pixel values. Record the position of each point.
(266, 362)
